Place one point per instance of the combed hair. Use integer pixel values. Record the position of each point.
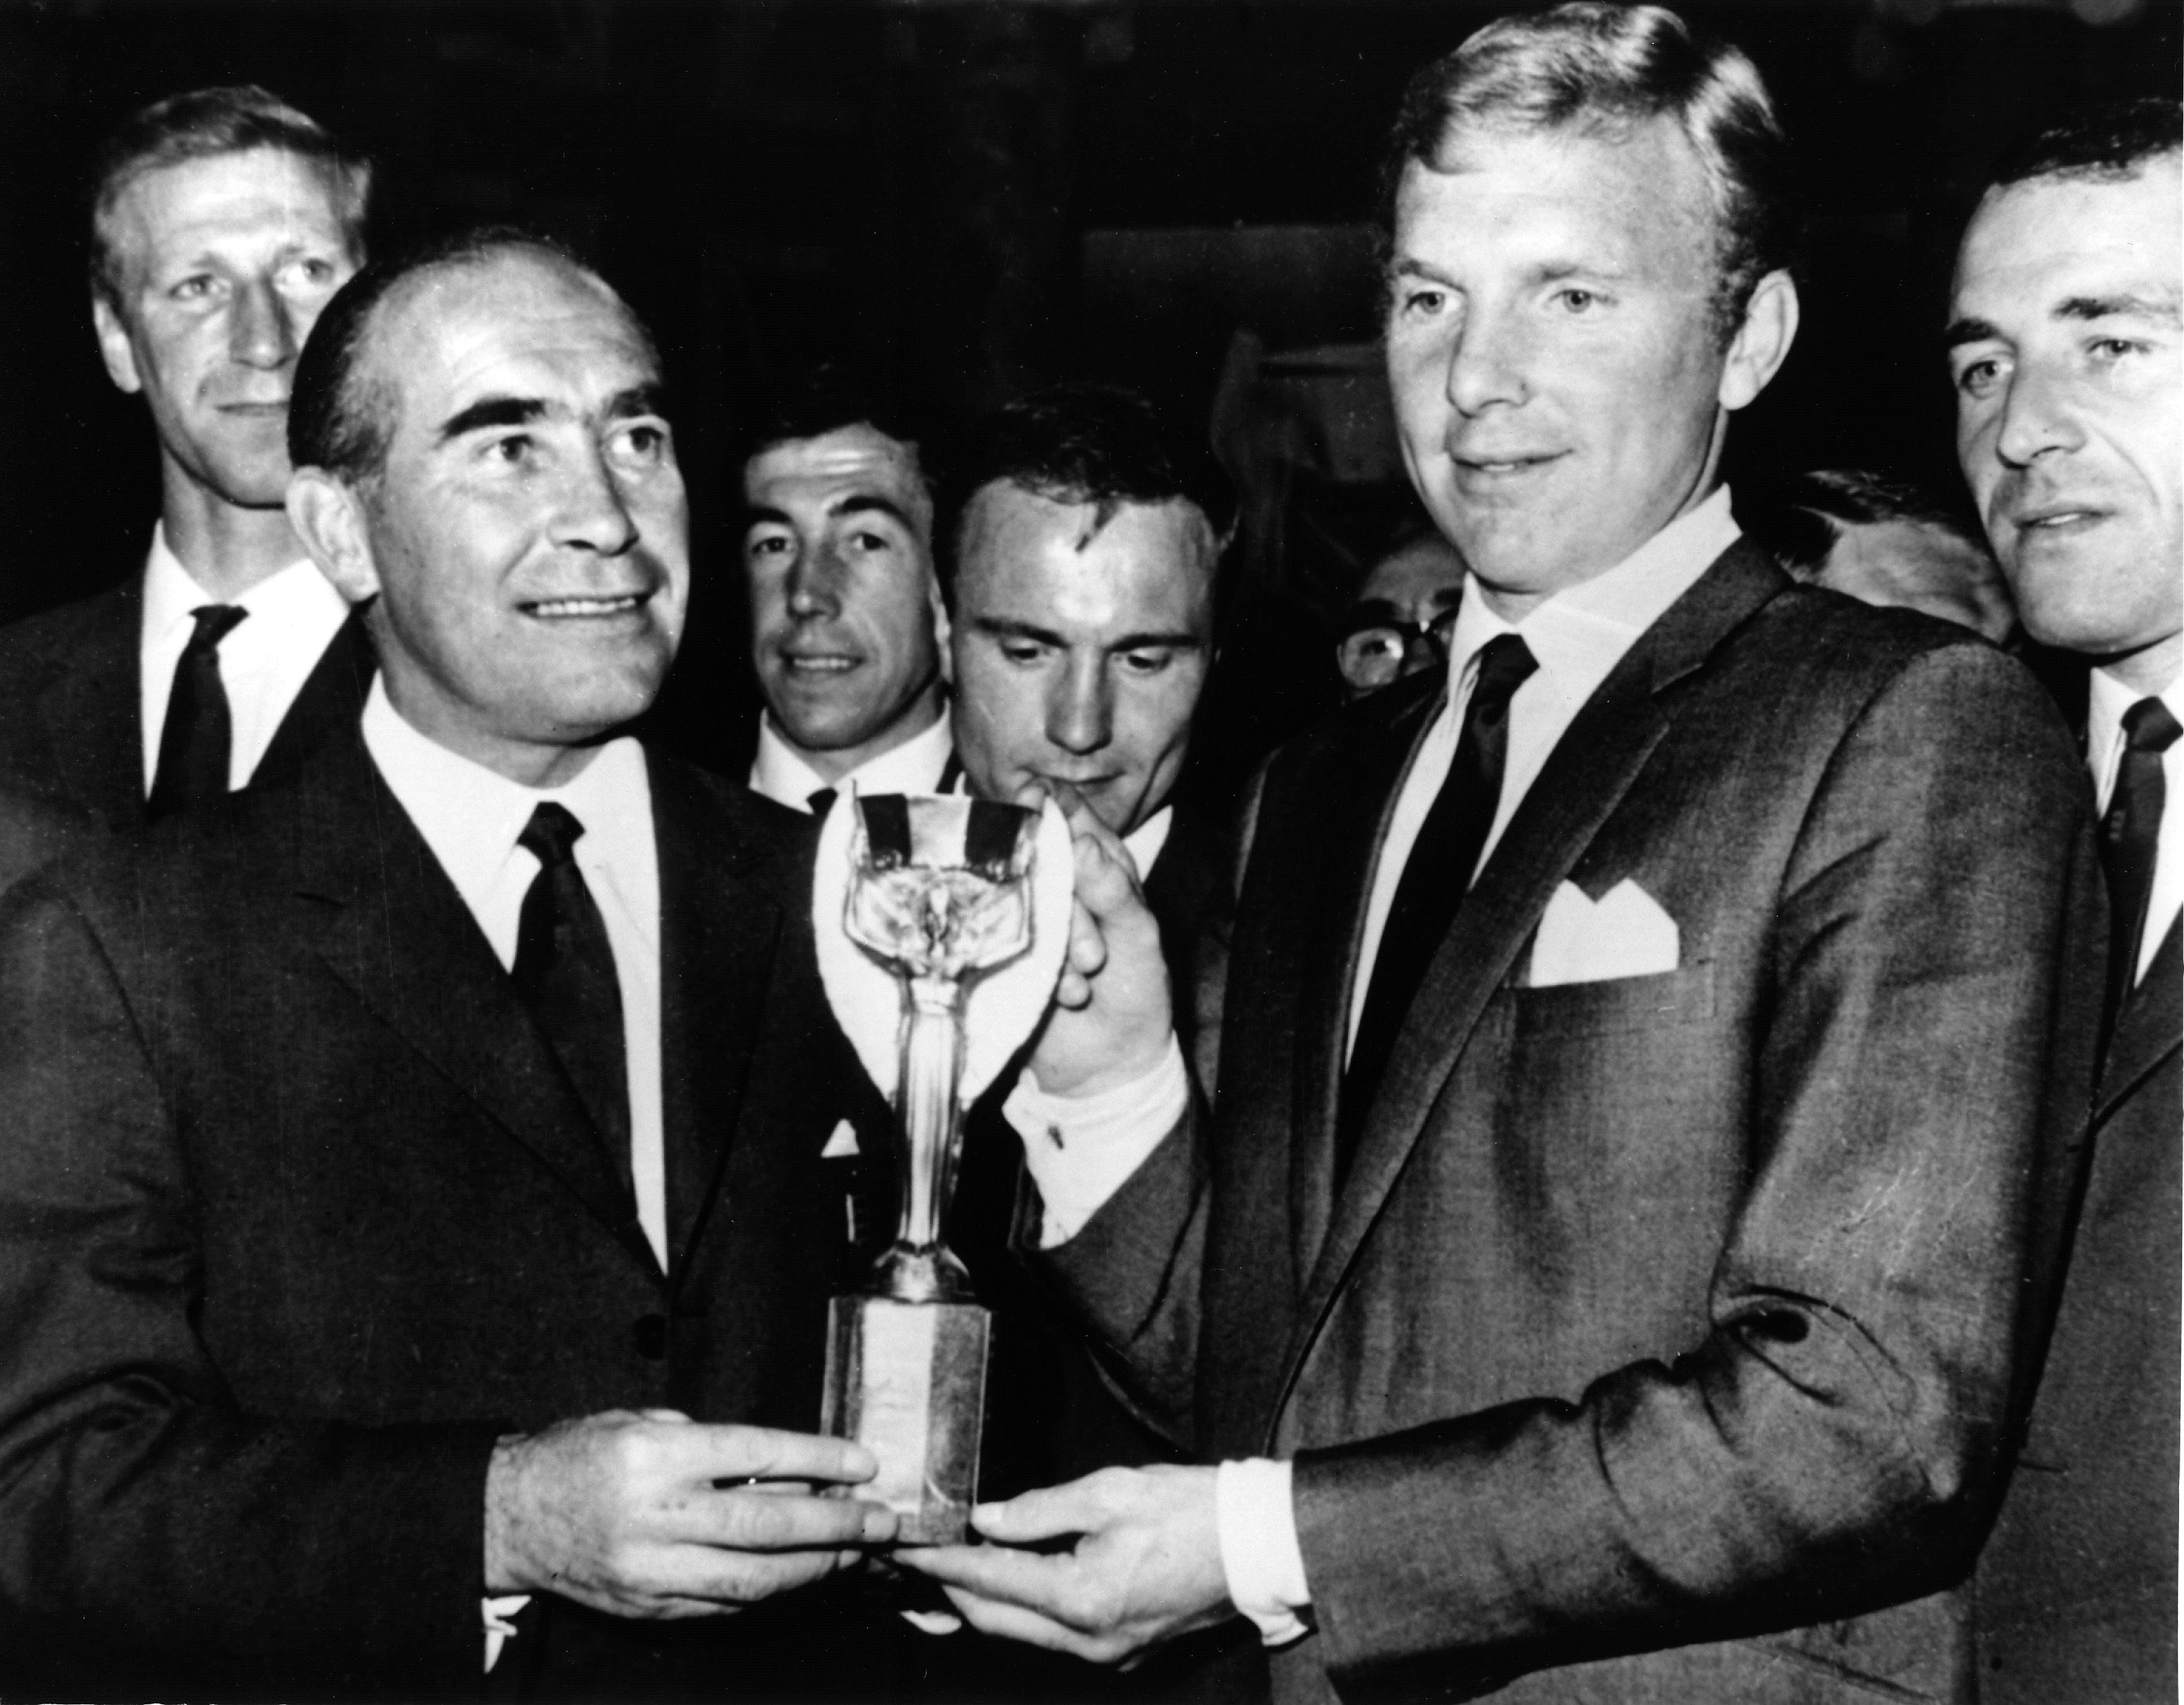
(1597, 67)
(200, 125)
(2113, 140)
(830, 397)
(340, 418)
(1798, 521)
(1083, 443)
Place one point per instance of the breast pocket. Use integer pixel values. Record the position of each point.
(1681, 996)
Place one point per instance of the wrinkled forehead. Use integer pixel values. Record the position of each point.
(527, 324)
(250, 192)
(2035, 248)
(853, 462)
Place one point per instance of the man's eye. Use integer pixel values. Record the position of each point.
(1149, 660)
(514, 449)
(869, 542)
(1978, 378)
(1576, 299)
(1023, 651)
(642, 441)
(2108, 351)
(762, 545)
(1417, 301)
(310, 271)
(194, 288)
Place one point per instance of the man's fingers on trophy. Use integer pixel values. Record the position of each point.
(752, 1519)
(1045, 1514)
(736, 1453)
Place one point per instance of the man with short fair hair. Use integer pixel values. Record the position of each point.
(1649, 1047)
(222, 221)
(848, 639)
(419, 1243)
(2068, 355)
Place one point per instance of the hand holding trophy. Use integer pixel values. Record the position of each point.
(953, 918)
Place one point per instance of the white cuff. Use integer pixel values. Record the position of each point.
(1081, 1149)
(499, 1624)
(1259, 1553)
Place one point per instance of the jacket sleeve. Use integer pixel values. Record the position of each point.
(155, 1534)
(1836, 1441)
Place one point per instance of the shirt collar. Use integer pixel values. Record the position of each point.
(1581, 633)
(470, 816)
(780, 773)
(298, 593)
(1146, 840)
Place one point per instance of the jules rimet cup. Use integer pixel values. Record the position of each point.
(940, 895)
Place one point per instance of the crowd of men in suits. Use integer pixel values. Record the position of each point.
(1642, 1166)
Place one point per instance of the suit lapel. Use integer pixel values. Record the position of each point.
(93, 708)
(332, 699)
(719, 935)
(2148, 1029)
(1366, 783)
(1585, 778)
(383, 916)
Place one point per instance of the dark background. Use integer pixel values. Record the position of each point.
(971, 198)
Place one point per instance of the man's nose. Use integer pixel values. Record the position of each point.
(594, 514)
(1080, 708)
(815, 581)
(2036, 417)
(1485, 363)
(262, 330)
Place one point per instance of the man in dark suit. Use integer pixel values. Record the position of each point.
(1648, 1051)
(222, 221)
(417, 1238)
(2068, 365)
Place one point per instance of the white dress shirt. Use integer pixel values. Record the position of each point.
(292, 616)
(2106, 703)
(470, 817)
(779, 772)
(1080, 1151)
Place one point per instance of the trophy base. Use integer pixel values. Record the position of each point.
(907, 1380)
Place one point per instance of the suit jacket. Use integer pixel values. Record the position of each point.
(298, 1214)
(71, 704)
(2077, 1587)
(1667, 1332)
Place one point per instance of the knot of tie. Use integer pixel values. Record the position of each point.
(2147, 726)
(1505, 663)
(551, 835)
(820, 801)
(214, 622)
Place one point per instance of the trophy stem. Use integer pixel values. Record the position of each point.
(932, 1119)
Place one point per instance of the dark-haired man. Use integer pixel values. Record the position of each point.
(1649, 1049)
(413, 1194)
(222, 221)
(845, 617)
(2068, 355)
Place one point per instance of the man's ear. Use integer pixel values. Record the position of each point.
(328, 517)
(944, 633)
(1762, 342)
(114, 348)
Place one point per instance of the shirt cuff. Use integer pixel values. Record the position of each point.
(1259, 1551)
(1081, 1149)
(499, 1624)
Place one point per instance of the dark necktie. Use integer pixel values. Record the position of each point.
(1434, 880)
(564, 971)
(195, 739)
(2130, 837)
(820, 801)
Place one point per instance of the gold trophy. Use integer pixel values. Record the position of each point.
(940, 895)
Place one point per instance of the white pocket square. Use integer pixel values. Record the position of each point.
(843, 1143)
(1623, 934)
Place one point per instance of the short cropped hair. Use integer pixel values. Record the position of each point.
(2113, 140)
(1798, 521)
(341, 417)
(831, 396)
(200, 125)
(1601, 69)
(1083, 443)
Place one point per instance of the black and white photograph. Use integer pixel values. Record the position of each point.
(1091, 851)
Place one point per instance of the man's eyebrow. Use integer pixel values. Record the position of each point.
(1172, 641)
(649, 398)
(1007, 627)
(491, 411)
(1968, 330)
(870, 503)
(756, 513)
(2162, 306)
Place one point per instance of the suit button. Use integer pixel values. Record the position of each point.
(650, 1333)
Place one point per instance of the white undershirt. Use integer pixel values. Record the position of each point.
(291, 616)
(1080, 1151)
(782, 774)
(2106, 703)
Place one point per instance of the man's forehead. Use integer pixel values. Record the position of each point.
(2048, 246)
(532, 323)
(836, 464)
(253, 189)
(1149, 555)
